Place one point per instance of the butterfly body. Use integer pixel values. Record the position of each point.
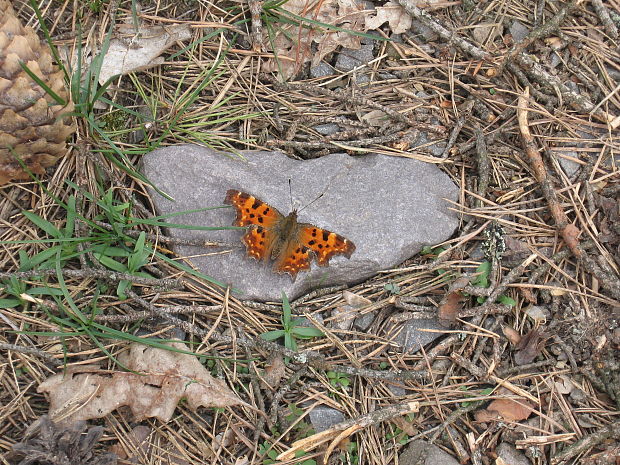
(291, 244)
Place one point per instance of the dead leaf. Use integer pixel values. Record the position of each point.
(505, 409)
(511, 334)
(376, 118)
(274, 372)
(528, 295)
(406, 426)
(137, 443)
(530, 347)
(165, 377)
(538, 313)
(346, 314)
(449, 308)
(563, 385)
(393, 14)
(292, 44)
(139, 50)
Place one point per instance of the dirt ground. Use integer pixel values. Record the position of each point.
(517, 101)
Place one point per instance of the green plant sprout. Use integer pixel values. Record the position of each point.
(482, 280)
(291, 329)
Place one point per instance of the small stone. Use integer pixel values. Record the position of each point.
(363, 322)
(436, 148)
(423, 31)
(554, 60)
(327, 129)
(349, 59)
(415, 452)
(411, 339)
(323, 417)
(518, 31)
(321, 70)
(510, 455)
(487, 32)
(538, 313)
(569, 166)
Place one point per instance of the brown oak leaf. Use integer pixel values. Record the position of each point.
(161, 379)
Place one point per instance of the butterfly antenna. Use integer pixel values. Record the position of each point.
(320, 195)
(290, 193)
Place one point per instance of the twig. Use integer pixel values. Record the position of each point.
(579, 102)
(484, 166)
(337, 144)
(605, 18)
(31, 351)
(460, 122)
(256, 34)
(345, 429)
(454, 416)
(98, 274)
(483, 375)
(568, 231)
(285, 388)
(541, 31)
(135, 316)
(610, 431)
(358, 100)
(449, 36)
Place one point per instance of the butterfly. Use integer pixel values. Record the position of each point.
(291, 244)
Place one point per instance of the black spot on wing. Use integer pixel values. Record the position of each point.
(325, 235)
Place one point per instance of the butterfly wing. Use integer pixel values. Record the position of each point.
(262, 219)
(325, 244)
(293, 259)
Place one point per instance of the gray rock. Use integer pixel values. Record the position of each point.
(349, 59)
(327, 129)
(323, 417)
(422, 30)
(390, 207)
(518, 31)
(363, 322)
(435, 149)
(487, 32)
(410, 338)
(398, 391)
(554, 60)
(511, 455)
(416, 452)
(569, 166)
(321, 70)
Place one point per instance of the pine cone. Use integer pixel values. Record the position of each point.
(30, 126)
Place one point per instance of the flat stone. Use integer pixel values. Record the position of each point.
(327, 129)
(483, 32)
(411, 339)
(519, 31)
(511, 455)
(421, 452)
(323, 417)
(390, 207)
(349, 58)
(321, 70)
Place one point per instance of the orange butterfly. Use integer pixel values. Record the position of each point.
(288, 242)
